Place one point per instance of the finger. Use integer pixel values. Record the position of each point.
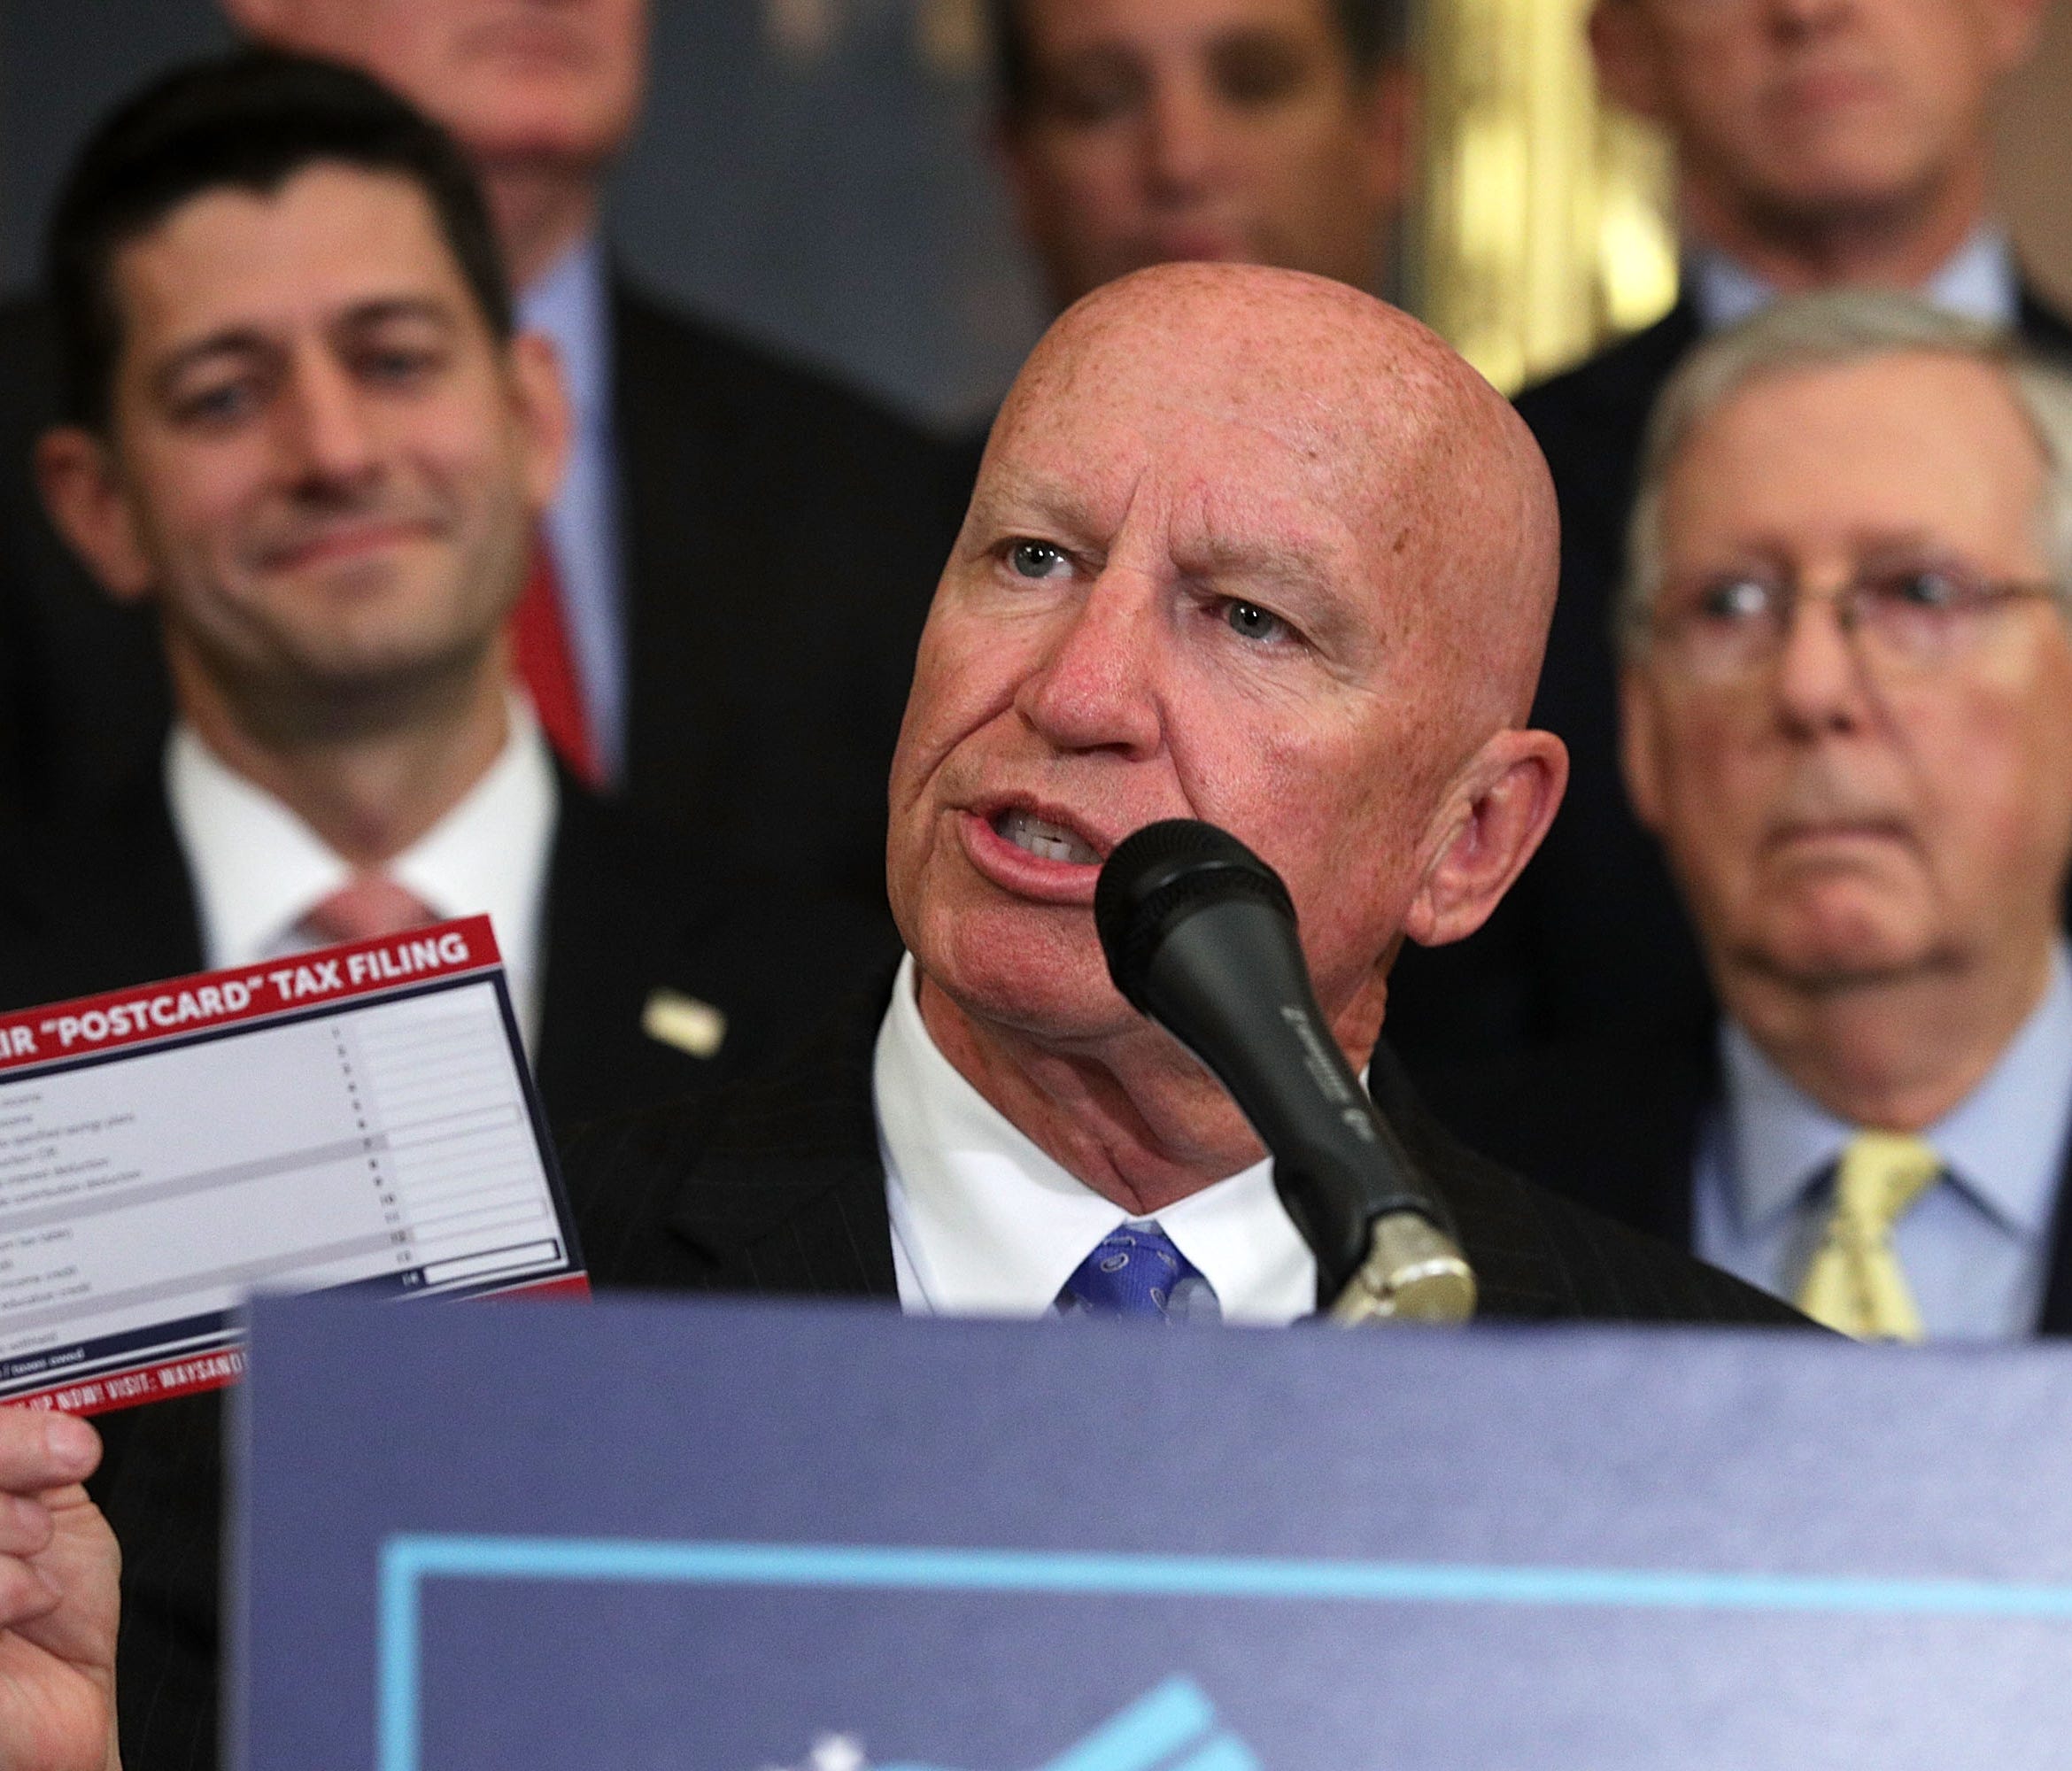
(40, 1449)
(25, 1594)
(25, 1526)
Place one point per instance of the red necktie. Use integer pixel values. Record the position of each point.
(548, 667)
(368, 907)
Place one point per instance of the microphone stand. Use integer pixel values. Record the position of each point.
(1413, 1272)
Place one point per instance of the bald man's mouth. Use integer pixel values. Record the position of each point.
(1039, 837)
(1035, 850)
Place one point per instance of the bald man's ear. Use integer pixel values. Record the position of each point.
(83, 490)
(1493, 820)
(1623, 46)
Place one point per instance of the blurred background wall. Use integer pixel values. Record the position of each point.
(816, 173)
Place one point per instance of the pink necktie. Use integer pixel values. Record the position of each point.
(369, 906)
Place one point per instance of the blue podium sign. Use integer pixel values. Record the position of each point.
(744, 1538)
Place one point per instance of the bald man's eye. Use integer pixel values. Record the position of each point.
(1037, 560)
(1251, 622)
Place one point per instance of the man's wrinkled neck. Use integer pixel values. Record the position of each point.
(1133, 1116)
(1896, 1052)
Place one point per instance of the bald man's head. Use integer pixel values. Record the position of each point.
(1440, 474)
(1247, 545)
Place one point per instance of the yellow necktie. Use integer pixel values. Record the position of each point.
(1855, 1283)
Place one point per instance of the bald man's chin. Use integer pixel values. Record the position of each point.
(1047, 986)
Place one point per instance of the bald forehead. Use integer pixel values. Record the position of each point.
(1331, 373)
(1421, 456)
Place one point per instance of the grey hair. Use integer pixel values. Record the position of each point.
(1827, 331)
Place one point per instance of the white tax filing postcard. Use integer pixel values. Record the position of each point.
(360, 1117)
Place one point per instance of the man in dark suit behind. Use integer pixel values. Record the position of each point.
(1847, 695)
(735, 567)
(1819, 143)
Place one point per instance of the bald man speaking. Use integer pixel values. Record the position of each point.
(1247, 547)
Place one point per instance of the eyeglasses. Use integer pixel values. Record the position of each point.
(1903, 617)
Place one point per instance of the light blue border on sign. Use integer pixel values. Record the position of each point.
(408, 1561)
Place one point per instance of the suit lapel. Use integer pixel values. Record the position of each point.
(1516, 1275)
(789, 1193)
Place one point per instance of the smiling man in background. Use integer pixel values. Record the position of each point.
(706, 478)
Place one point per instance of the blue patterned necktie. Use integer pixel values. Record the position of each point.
(1131, 1273)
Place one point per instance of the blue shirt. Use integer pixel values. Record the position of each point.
(571, 305)
(1978, 282)
(1975, 1246)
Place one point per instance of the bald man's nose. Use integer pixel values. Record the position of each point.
(1097, 687)
(326, 432)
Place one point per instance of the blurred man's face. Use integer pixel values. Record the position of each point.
(1177, 595)
(1849, 809)
(1169, 130)
(319, 461)
(551, 81)
(1791, 110)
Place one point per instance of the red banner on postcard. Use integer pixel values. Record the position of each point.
(119, 1019)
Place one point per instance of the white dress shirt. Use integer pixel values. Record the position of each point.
(984, 1224)
(258, 869)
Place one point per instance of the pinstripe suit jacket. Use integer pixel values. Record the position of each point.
(775, 1186)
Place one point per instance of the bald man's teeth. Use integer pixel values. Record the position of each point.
(1045, 839)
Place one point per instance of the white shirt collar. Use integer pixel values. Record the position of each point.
(258, 869)
(985, 1223)
(1977, 281)
(2004, 1143)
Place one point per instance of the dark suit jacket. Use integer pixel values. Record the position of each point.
(782, 537)
(1591, 944)
(772, 1185)
(1617, 1129)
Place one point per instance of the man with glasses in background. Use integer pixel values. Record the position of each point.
(1846, 696)
(1820, 145)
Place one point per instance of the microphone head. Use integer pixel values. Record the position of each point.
(1160, 875)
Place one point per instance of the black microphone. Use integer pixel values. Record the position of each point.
(1200, 935)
